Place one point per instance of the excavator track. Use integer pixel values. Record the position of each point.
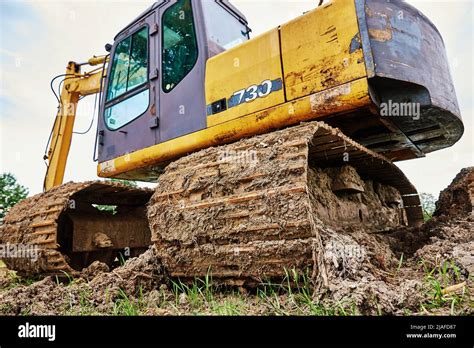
(249, 210)
(51, 233)
(244, 211)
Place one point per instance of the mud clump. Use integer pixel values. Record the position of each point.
(452, 228)
(94, 269)
(51, 296)
(142, 273)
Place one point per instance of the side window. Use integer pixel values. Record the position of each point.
(179, 44)
(119, 72)
(127, 110)
(224, 31)
(129, 71)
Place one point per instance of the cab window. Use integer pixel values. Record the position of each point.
(129, 73)
(224, 31)
(180, 50)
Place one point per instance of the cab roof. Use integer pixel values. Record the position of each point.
(225, 3)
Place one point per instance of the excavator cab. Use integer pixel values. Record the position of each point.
(154, 87)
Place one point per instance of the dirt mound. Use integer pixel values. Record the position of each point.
(399, 270)
(95, 292)
(378, 278)
(458, 198)
(451, 229)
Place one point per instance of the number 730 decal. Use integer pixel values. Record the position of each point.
(255, 91)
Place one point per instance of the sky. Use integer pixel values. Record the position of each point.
(38, 38)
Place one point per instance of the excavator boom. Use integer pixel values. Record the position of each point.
(76, 85)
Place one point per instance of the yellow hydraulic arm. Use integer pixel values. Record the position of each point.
(76, 84)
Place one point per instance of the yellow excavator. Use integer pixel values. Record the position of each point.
(256, 145)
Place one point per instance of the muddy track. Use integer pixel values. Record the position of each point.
(248, 210)
(243, 212)
(36, 222)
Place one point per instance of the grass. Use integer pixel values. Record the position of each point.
(437, 279)
(16, 281)
(294, 296)
(69, 280)
(400, 263)
(121, 259)
(126, 305)
(5, 308)
(197, 294)
(228, 307)
(86, 306)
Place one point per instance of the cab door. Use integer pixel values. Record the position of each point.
(129, 102)
(183, 54)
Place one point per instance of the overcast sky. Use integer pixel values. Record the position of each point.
(38, 38)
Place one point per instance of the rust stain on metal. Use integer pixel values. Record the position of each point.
(381, 35)
(328, 99)
(368, 11)
(262, 115)
(294, 78)
(228, 136)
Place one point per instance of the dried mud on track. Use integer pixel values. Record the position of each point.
(426, 270)
(253, 218)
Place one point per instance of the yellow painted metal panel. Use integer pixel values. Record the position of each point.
(351, 96)
(241, 67)
(61, 138)
(322, 49)
(87, 85)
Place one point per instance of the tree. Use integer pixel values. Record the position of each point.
(428, 204)
(128, 183)
(10, 193)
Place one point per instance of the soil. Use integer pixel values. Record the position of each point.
(96, 286)
(367, 271)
